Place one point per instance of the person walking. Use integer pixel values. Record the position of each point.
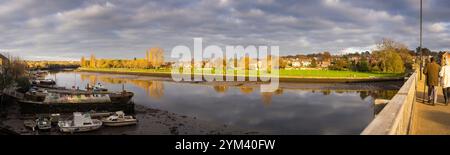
(445, 78)
(431, 72)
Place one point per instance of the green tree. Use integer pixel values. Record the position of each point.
(339, 64)
(313, 63)
(24, 84)
(388, 58)
(363, 66)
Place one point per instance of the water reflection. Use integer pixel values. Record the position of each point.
(246, 89)
(220, 88)
(155, 89)
(285, 111)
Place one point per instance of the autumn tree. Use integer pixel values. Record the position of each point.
(388, 56)
(83, 62)
(326, 56)
(155, 57)
(339, 64)
(92, 61)
(245, 61)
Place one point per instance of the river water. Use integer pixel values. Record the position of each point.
(287, 111)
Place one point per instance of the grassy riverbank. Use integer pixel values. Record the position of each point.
(291, 75)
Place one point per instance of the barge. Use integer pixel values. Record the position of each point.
(72, 100)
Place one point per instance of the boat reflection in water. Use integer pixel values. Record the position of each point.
(285, 111)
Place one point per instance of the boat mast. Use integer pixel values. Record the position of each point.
(75, 84)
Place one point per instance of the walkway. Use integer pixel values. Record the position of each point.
(427, 119)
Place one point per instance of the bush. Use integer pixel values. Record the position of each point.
(24, 84)
(363, 66)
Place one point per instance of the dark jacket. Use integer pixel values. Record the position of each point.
(431, 72)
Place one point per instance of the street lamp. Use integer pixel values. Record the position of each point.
(420, 46)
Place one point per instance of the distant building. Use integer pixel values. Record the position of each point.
(296, 64)
(325, 63)
(198, 64)
(3, 60)
(306, 62)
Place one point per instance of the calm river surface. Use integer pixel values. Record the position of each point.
(288, 111)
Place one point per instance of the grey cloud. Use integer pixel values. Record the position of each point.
(68, 29)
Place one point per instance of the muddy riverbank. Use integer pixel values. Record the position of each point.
(151, 122)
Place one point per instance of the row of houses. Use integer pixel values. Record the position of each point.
(288, 62)
(306, 62)
(255, 64)
(321, 60)
(244, 63)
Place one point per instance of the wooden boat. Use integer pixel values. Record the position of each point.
(44, 82)
(30, 124)
(95, 114)
(48, 86)
(73, 100)
(54, 118)
(72, 96)
(43, 123)
(98, 88)
(39, 73)
(80, 123)
(119, 119)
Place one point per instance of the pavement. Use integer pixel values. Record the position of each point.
(428, 119)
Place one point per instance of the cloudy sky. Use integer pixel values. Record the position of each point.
(68, 29)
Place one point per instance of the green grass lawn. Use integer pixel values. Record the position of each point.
(128, 70)
(282, 73)
(335, 74)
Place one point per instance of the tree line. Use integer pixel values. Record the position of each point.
(154, 59)
(13, 71)
(34, 65)
(389, 57)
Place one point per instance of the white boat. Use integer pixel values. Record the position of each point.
(54, 118)
(99, 87)
(119, 119)
(43, 123)
(80, 123)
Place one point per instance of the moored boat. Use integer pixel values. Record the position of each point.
(43, 123)
(30, 123)
(54, 118)
(50, 100)
(80, 123)
(119, 119)
(95, 114)
(98, 88)
(59, 96)
(44, 82)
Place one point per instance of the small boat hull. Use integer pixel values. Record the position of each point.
(30, 123)
(119, 123)
(43, 124)
(79, 129)
(44, 128)
(65, 127)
